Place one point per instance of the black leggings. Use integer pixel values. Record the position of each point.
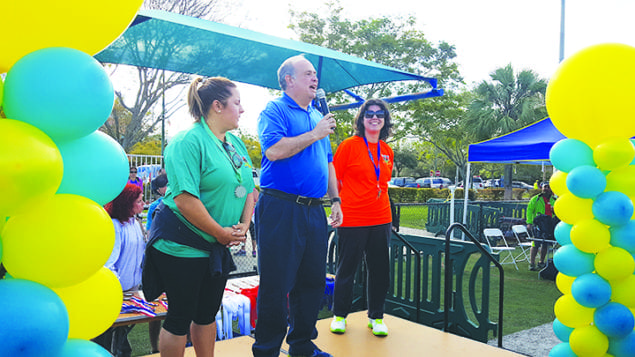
(193, 295)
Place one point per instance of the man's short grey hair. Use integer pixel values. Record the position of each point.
(287, 68)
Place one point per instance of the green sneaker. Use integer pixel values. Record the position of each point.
(338, 325)
(378, 326)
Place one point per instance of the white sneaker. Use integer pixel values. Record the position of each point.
(378, 326)
(338, 325)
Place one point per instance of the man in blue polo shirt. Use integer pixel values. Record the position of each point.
(297, 171)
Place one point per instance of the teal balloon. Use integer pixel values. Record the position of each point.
(571, 261)
(34, 319)
(586, 181)
(562, 232)
(95, 166)
(562, 350)
(591, 290)
(622, 347)
(567, 154)
(613, 208)
(614, 320)
(633, 142)
(62, 91)
(561, 330)
(624, 236)
(75, 347)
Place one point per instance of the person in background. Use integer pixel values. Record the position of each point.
(363, 164)
(159, 186)
(540, 207)
(125, 259)
(133, 179)
(206, 209)
(291, 225)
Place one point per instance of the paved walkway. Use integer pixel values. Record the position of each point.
(535, 342)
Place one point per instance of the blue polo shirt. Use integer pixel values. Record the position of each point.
(305, 173)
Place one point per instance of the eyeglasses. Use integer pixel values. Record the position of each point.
(133, 172)
(236, 160)
(369, 114)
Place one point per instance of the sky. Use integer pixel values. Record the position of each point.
(487, 34)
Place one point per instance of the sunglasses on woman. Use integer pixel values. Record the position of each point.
(369, 114)
(236, 160)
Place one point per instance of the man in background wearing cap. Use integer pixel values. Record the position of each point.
(159, 185)
(540, 207)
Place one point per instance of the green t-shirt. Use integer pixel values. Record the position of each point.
(196, 163)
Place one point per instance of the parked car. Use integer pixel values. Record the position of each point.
(476, 183)
(403, 182)
(434, 182)
(520, 184)
(493, 183)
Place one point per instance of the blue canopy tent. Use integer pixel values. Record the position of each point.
(530, 144)
(179, 43)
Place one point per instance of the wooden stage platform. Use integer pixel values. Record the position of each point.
(405, 339)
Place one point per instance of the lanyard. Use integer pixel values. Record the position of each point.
(376, 166)
(219, 144)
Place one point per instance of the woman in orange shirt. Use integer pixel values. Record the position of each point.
(363, 164)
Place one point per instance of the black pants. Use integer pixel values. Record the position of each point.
(355, 243)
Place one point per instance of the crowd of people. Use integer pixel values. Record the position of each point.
(207, 202)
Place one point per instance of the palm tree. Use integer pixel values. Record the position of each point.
(507, 103)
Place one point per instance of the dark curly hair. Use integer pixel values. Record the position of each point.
(359, 120)
(121, 207)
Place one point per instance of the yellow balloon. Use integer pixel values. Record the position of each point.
(590, 236)
(88, 319)
(558, 183)
(88, 26)
(614, 153)
(31, 167)
(563, 283)
(623, 291)
(578, 109)
(614, 264)
(588, 341)
(572, 314)
(59, 242)
(622, 179)
(572, 209)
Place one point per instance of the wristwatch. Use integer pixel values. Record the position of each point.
(336, 199)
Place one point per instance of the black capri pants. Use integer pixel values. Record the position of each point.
(193, 295)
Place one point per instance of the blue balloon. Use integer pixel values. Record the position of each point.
(591, 290)
(613, 208)
(622, 347)
(76, 347)
(624, 236)
(34, 319)
(614, 320)
(562, 232)
(571, 261)
(561, 330)
(62, 91)
(562, 350)
(586, 181)
(567, 154)
(95, 166)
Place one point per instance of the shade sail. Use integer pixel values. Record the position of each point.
(529, 144)
(179, 43)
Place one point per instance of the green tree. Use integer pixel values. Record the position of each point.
(392, 41)
(253, 148)
(506, 103)
(405, 158)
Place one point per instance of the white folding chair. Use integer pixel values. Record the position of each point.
(493, 237)
(522, 235)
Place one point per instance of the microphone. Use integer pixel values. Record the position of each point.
(321, 98)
